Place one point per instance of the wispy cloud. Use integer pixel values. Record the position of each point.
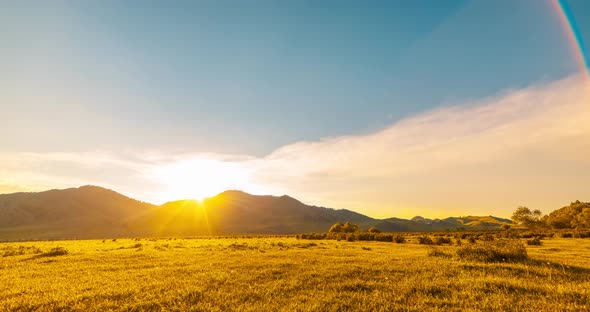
(523, 147)
(529, 146)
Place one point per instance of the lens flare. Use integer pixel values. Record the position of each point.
(569, 24)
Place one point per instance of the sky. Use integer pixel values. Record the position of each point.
(388, 108)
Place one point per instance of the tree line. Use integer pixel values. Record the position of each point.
(574, 216)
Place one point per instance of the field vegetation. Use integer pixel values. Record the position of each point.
(447, 272)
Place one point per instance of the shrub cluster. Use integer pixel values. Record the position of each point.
(358, 236)
(438, 240)
(535, 241)
(441, 240)
(574, 234)
(425, 240)
(374, 230)
(312, 236)
(399, 238)
(54, 252)
(503, 250)
(20, 250)
(344, 228)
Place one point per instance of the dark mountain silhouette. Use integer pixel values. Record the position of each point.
(239, 212)
(84, 212)
(95, 212)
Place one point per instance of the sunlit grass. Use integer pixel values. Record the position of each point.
(286, 274)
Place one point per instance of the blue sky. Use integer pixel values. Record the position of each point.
(249, 79)
(246, 77)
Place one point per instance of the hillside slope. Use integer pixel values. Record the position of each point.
(236, 212)
(84, 212)
(95, 212)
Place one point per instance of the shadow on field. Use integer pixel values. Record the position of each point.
(534, 267)
(54, 252)
(559, 266)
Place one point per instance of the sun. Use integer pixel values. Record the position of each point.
(199, 178)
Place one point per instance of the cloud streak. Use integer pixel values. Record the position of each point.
(523, 147)
(528, 146)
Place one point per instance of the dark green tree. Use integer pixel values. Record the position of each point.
(374, 230)
(529, 218)
(572, 216)
(582, 220)
(349, 227)
(336, 228)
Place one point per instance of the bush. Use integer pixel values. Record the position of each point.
(349, 227)
(399, 238)
(365, 237)
(472, 239)
(440, 240)
(57, 251)
(336, 228)
(316, 235)
(350, 237)
(496, 251)
(374, 230)
(339, 236)
(508, 234)
(535, 241)
(384, 237)
(425, 240)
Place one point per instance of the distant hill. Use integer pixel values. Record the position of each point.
(420, 224)
(84, 212)
(95, 212)
(239, 212)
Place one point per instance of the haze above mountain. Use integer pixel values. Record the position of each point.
(96, 212)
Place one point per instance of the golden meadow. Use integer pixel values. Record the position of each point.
(421, 272)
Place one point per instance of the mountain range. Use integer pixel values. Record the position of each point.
(96, 212)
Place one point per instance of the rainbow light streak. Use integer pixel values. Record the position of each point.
(569, 23)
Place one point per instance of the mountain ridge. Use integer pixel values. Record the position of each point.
(95, 212)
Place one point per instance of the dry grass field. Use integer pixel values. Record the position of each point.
(287, 274)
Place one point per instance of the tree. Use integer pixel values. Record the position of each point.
(349, 227)
(524, 216)
(374, 230)
(336, 228)
(572, 216)
(582, 220)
